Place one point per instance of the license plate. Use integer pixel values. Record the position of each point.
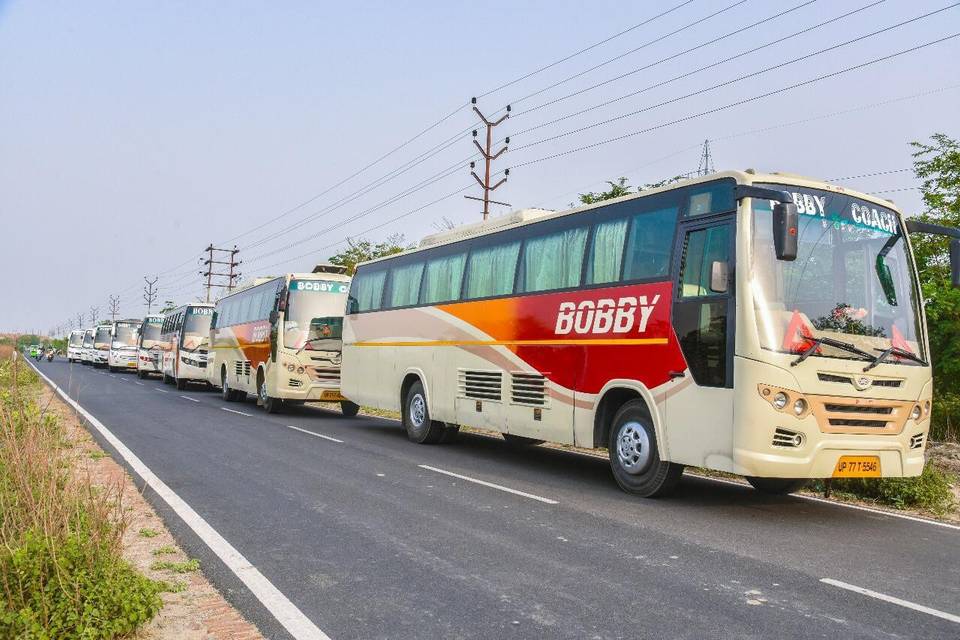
(332, 396)
(857, 467)
(131, 364)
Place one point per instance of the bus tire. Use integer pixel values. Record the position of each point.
(451, 433)
(349, 409)
(167, 379)
(635, 456)
(520, 441)
(416, 417)
(777, 486)
(112, 369)
(180, 383)
(269, 403)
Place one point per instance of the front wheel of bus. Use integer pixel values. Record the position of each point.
(416, 417)
(349, 409)
(269, 403)
(777, 486)
(180, 383)
(635, 456)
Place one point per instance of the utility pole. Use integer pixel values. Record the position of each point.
(94, 314)
(80, 321)
(706, 160)
(231, 263)
(488, 157)
(149, 293)
(114, 307)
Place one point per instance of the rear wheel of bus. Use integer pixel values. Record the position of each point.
(416, 417)
(230, 395)
(635, 455)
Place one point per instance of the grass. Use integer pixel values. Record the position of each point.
(62, 572)
(98, 454)
(164, 550)
(177, 586)
(148, 533)
(187, 566)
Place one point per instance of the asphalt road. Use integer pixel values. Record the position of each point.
(370, 544)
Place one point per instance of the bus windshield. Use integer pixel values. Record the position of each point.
(150, 335)
(88, 339)
(102, 337)
(315, 316)
(125, 335)
(76, 339)
(853, 279)
(196, 328)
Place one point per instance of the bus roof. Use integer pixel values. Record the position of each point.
(337, 277)
(524, 217)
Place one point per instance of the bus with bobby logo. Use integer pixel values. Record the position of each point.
(123, 346)
(75, 346)
(102, 339)
(149, 353)
(280, 340)
(185, 342)
(766, 325)
(86, 347)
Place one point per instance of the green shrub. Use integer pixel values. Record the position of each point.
(930, 491)
(187, 566)
(945, 418)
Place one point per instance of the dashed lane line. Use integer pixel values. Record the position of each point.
(313, 433)
(499, 487)
(189, 398)
(242, 413)
(897, 601)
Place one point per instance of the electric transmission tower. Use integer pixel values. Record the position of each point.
(231, 263)
(149, 293)
(488, 156)
(706, 160)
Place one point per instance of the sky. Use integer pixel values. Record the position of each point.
(133, 134)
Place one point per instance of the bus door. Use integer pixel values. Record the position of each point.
(699, 401)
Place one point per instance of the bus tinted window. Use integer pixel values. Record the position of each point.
(442, 278)
(606, 252)
(712, 197)
(552, 261)
(405, 284)
(491, 270)
(649, 244)
(367, 290)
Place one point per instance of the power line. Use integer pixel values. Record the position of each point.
(869, 175)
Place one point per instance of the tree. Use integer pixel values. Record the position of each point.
(621, 188)
(361, 250)
(937, 163)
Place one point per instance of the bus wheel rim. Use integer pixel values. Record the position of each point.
(263, 391)
(633, 448)
(418, 410)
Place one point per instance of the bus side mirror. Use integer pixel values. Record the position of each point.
(785, 221)
(955, 262)
(274, 316)
(719, 276)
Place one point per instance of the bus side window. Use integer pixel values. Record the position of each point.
(552, 261)
(366, 291)
(649, 244)
(404, 288)
(491, 270)
(442, 278)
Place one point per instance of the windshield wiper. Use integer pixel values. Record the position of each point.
(895, 351)
(830, 342)
(312, 340)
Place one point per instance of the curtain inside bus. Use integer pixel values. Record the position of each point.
(442, 278)
(491, 270)
(553, 261)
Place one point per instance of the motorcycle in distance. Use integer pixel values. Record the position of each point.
(50, 353)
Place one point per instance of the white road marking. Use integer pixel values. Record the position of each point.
(286, 613)
(242, 413)
(162, 390)
(138, 382)
(189, 398)
(499, 487)
(312, 433)
(882, 596)
(845, 505)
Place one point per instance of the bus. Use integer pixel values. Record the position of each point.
(185, 341)
(102, 339)
(75, 345)
(123, 346)
(149, 354)
(766, 325)
(86, 349)
(280, 340)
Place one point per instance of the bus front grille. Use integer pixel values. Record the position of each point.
(836, 414)
(329, 376)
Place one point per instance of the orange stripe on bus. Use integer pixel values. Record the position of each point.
(521, 343)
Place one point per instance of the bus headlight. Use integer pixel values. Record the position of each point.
(300, 370)
(290, 367)
(780, 400)
(800, 406)
(916, 413)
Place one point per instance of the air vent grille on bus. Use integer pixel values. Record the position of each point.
(241, 367)
(916, 441)
(481, 385)
(787, 438)
(876, 382)
(528, 388)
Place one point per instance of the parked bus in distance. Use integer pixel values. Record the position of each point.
(86, 350)
(185, 341)
(280, 340)
(75, 346)
(149, 353)
(102, 338)
(123, 346)
(765, 325)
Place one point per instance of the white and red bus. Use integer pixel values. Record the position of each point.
(123, 346)
(765, 325)
(185, 342)
(280, 340)
(149, 353)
